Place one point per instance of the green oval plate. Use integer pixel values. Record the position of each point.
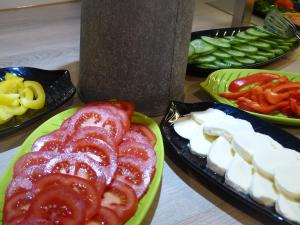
(55, 122)
(219, 81)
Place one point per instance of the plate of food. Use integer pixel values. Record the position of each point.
(26, 94)
(236, 47)
(269, 94)
(97, 163)
(239, 153)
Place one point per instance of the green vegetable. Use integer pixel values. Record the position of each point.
(201, 47)
(215, 42)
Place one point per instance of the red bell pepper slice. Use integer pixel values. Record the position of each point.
(235, 95)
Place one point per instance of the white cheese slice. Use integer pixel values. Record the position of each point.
(207, 115)
(185, 126)
(263, 190)
(266, 161)
(239, 175)
(287, 179)
(288, 208)
(199, 143)
(246, 143)
(220, 156)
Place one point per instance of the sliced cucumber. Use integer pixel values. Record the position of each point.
(272, 43)
(245, 61)
(245, 48)
(258, 58)
(238, 41)
(221, 54)
(201, 47)
(261, 45)
(266, 54)
(283, 47)
(262, 29)
(207, 66)
(215, 42)
(277, 51)
(256, 32)
(288, 44)
(232, 63)
(191, 51)
(205, 59)
(221, 64)
(245, 36)
(234, 52)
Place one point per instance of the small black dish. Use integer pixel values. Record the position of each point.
(58, 88)
(222, 32)
(178, 150)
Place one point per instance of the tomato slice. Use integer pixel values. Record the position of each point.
(99, 117)
(100, 151)
(32, 158)
(140, 151)
(145, 131)
(86, 189)
(55, 141)
(120, 198)
(59, 206)
(36, 221)
(105, 216)
(134, 173)
(77, 164)
(133, 136)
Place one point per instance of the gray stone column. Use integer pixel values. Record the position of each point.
(135, 50)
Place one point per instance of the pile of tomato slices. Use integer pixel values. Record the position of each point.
(265, 93)
(92, 170)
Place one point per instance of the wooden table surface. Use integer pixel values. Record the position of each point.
(48, 37)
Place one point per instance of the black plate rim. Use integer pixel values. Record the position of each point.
(205, 173)
(193, 70)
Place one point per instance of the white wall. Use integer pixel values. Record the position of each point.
(8, 4)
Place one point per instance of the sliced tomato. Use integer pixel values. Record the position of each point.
(105, 216)
(140, 151)
(59, 206)
(95, 133)
(120, 198)
(145, 131)
(36, 221)
(78, 164)
(84, 188)
(134, 173)
(99, 117)
(32, 158)
(55, 141)
(100, 151)
(133, 136)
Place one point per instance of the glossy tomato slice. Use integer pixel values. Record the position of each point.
(100, 151)
(120, 198)
(105, 216)
(86, 189)
(59, 206)
(36, 221)
(78, 164)
(99, 117)
(133, 136)
(32, 158)
(134, 173)
(55, 141)
(145, 131)
(140, 151)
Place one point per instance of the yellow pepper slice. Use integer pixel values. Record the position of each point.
(10, 99)
(4, 116)
(14, 110)
(39, 96)
(11, 84)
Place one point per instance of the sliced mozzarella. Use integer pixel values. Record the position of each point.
(288, 208)
(266, 161)
(207, 115)
(246, 143)
(287, 179)
(239, 175)
(226, 127)
(185, 126)
(263, 190)
(199, 143)
(220, 156)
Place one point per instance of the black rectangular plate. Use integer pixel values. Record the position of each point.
(222, 32)
(178, 146)
(58, 88)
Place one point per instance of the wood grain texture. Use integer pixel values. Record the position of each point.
(48, 37)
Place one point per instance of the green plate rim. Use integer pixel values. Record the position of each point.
(55, 122)
(219, 80)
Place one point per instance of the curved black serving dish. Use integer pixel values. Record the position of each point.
(177, 148)
(58, 88)
(222, 32)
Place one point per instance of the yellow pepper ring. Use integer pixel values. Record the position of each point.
(14, 110)
(10, 99)
(38, 101)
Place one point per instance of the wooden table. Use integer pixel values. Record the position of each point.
(48, 37)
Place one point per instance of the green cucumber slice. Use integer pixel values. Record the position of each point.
(283, 47)
(201, 47)
(191, 51)
(221, 54)
(234, 52)
(266, 54)
(205, 59)
(207, 66)
(245, 36)
(262, 29)
(221, 64)
(256, 32)
(232, 62)
(215, 42)
(238, 41)
(245, 61)
(245, 48)
(277, 51)
(272, 43)
(258, 58)
(288, 44)
(261, 45)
